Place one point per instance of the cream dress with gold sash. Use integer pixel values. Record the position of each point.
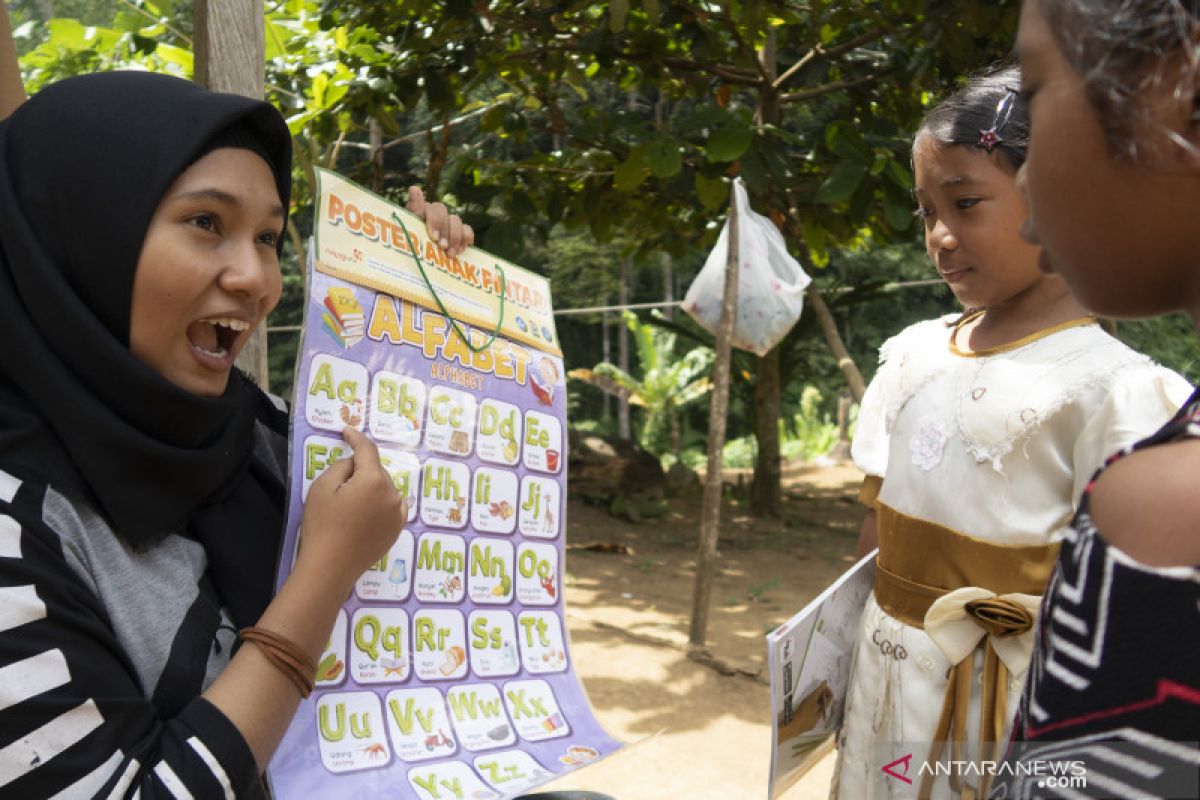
(983, 457)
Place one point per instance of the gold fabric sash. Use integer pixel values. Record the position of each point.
(995, 588)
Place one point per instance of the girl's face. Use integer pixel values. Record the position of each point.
(208, 271)
(972, 213)
(1123, 235)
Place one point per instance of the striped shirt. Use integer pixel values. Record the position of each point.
(104, 652)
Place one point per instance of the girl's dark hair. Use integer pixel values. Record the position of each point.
(990, 100)
(1122, 48)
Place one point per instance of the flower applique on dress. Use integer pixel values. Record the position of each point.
(928, 442)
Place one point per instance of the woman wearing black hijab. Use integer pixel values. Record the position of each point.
(141, 476)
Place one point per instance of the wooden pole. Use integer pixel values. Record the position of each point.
(230, 57)
(710, 520)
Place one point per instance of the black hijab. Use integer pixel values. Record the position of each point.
(83, 165)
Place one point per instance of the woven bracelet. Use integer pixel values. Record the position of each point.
(286, 656)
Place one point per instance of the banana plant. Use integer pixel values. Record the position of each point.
(668, 382)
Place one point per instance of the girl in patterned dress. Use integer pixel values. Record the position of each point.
(1113, 178)
(977, 435)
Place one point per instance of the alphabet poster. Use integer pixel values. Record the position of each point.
(449, 672)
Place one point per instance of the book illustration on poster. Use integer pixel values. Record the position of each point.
(449, 670)
(809, 659)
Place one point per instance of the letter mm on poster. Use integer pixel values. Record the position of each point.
(809, 661)
(448, 673)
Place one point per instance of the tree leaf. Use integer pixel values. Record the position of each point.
(841, 183)
(713, 192)
(664, 158)
(632, 172)
(618, 10)
(728, 142)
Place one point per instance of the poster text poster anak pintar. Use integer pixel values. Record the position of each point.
(448, 673)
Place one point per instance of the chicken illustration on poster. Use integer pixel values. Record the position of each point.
(448, 672)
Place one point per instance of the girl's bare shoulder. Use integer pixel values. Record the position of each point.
(1148, 504)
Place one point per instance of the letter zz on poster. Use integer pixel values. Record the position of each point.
(449, 665)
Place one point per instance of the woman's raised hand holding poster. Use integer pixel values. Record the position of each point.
(448, 673)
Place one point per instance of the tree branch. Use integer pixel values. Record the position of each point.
(829, 88)
(728, 74)
(830, 52)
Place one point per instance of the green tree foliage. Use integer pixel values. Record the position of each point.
(667, 383)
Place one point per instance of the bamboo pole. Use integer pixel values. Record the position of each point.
(230, 57)
(710, 520)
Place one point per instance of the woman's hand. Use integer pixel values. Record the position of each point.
(353, 514)
(448, 230)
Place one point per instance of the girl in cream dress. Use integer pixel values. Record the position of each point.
(977, 436)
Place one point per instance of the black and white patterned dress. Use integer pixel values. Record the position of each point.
(1115, 676)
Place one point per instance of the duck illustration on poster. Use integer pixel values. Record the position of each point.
(336, 394)
(397, 408)
(351, 731)
(418, 724)
(379, 651)
(480, 721)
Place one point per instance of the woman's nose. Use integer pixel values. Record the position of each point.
(940, 237)
(248, 271)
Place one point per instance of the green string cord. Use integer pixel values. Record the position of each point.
(453, 322)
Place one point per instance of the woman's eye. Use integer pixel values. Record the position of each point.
(966, 202)
(269, 238)
(205, 222)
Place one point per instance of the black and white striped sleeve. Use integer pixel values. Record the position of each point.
(74, 718)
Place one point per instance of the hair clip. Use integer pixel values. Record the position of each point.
(991, 138)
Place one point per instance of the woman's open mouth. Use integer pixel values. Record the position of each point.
(215, 339)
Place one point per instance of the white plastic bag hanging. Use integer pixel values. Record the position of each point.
(771, 283)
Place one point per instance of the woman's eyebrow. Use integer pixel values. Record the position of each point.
(222, 197)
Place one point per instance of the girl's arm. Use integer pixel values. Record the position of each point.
(352, 515)
(1146, 505)
(12, 91)
(868, 535)
(74, 712)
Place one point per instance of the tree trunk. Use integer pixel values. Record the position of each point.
(767, 491)
(668, 279)
(606, 357)
(710, 516)
(375, 137)
(623, 429)
(854, 378)
(229, 57)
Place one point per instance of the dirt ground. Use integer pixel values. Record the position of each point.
(698, 728)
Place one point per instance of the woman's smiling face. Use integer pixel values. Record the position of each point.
(208, 272)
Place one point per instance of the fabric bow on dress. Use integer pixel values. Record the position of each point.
(957, 623)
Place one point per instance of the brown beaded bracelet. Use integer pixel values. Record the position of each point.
(286, 656)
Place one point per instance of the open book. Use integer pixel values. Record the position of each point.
(809, 660)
